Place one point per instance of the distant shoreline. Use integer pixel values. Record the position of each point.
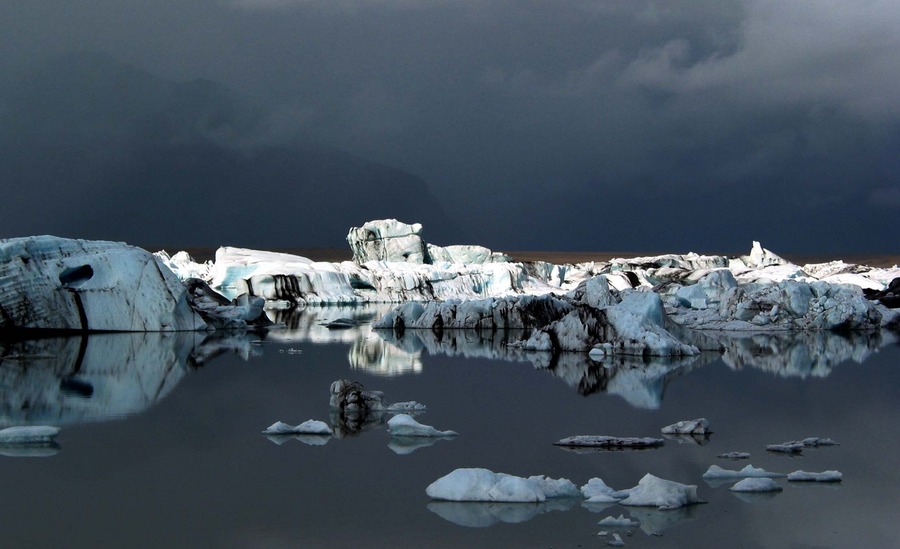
(343, 254)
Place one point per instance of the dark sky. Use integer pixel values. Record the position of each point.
(640, 125)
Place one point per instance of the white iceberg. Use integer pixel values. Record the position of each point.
(596, 491)
(653, 491)
(484, 485)
(405, 426)
(309, 427)
(715, 472)
(756, 485)
(825, 476)
(616, 541)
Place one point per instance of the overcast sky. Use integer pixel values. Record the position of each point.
(640, 125)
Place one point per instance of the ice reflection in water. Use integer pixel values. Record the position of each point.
(97, 377)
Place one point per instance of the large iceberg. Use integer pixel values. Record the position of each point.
(55, 283)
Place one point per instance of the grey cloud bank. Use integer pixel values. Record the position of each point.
(564, 125)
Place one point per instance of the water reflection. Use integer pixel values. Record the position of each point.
(349, 325)
(641, 381)
(481, 514)
(88, 378)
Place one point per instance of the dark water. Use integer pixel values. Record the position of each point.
(161, 445)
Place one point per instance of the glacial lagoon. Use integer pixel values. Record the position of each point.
(161, 442)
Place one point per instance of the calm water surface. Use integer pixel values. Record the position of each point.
(161, 445)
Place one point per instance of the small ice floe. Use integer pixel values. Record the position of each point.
(620, 522)
(616, 541)
(309, 427)
(825, 476)
(484, 485)
(404, 425)
(797, 446)
(699, 426)
(715, 472)
(756, 485)
(28, 434)
(408, 406)
(608, 442)
(734, 455)
(653, 491)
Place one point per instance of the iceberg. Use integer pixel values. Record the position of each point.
(404, 425)
(653, 491)
(485, 485)
(596, 491)
(698, 426)
(715, 472)
(616, 541)
(53, 283)
(825, 476)
(797, 446)
(756, 485)
(309, 427)
(734, 455)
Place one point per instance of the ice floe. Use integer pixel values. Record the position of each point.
(653, 491)
(475, 484)
(28, 434)
(699, 426)
(596, 491)
(404, 425)
(618, 522)
(716, 472)
(756, 484)
(734, 455)
(797, 446)
(825, 476)
(611, 442)
(309, 427)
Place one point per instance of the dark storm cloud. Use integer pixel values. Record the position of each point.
(579, 124)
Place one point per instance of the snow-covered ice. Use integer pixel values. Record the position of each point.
(825, 476)
(405, 426)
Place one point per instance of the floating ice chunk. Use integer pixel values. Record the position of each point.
(716, 472)
(405, 425)
(309, 427)
(603, 441)
(794, 447)
(28, 434)
(485, 485)
(408, 406)
(616, 541)
(825, 476)
(797, 446)
(653, 491)
(734, 455)
(621, 521)
(756, 485)
(698, 426)
(596, 491)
